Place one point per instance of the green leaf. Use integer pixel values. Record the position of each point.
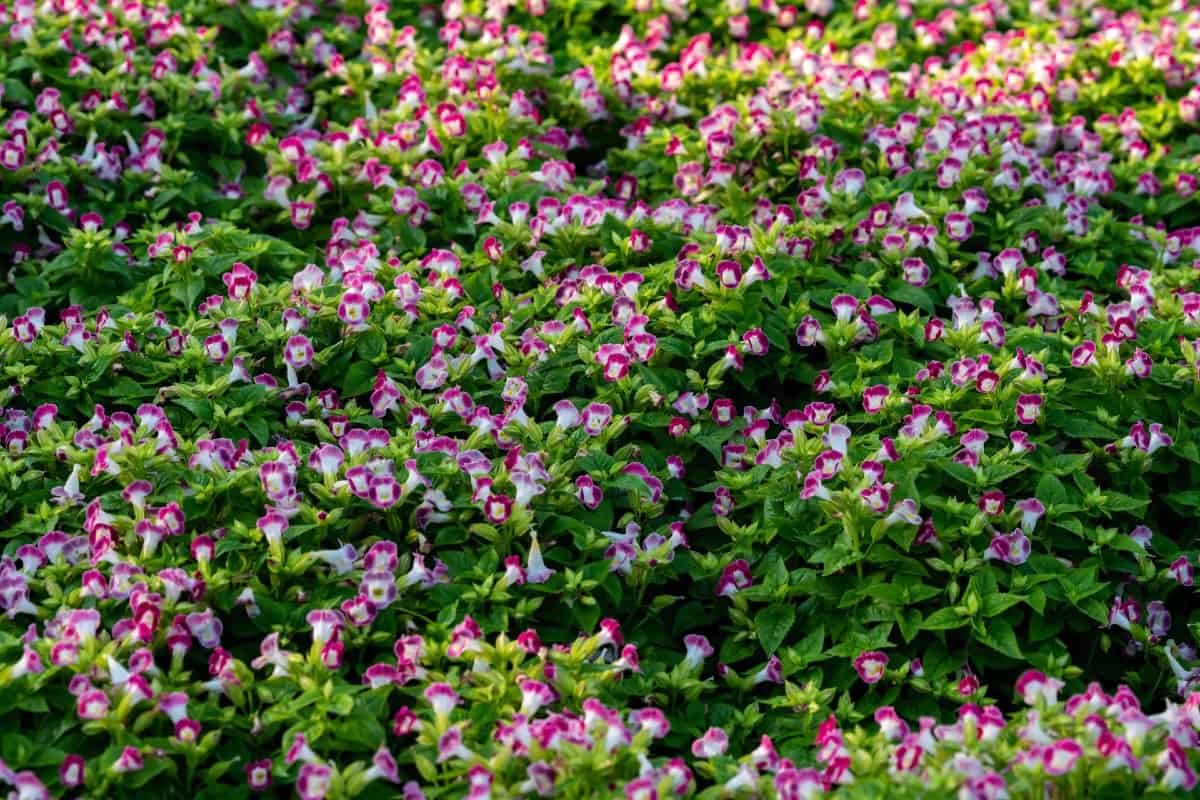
(1042, 628)
(712, 438)
(1037, 601)
(772, 625)
(259, 430)
(880, 352)
(596, 462)
(905, 293)
(735, 650)
(1001, 637)
(1187, 499)
(909, 623)
(125, 387)
(984, 582)
(811, 646)
(944, 619)
(200, 409)
(958, 472)
(1070, 463)
(995, 474)
(1080, 427)
(371, 345)
(1050, 490)
(361, 729)
(359, 378)
(993, 604)
(1115, 501)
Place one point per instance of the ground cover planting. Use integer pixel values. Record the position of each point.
(568, 398)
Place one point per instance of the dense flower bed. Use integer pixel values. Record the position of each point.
(566, 398)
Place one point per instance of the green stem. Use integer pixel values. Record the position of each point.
(851, 529)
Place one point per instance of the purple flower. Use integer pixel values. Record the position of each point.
(258, 775)
(614, 361)
(298, 353)
(958, 226)
(874, 398)
(71, 772)
(314, 781)
(568, 415)
(378, 587)
(1031, 510)
(450, 746)
(1034, 687)
(383, 491)
(714, 742)
(216, 347)
(1084, 355)
(698, 649)
(596, 418)
(353, 310)
(1012, 548)
(325, 624)
(206, 627)
(1029, 408)
(1181, 571)
(383, 765)
(1060, 757)
(442, 697)
(92, 705)
(735, 577)
(870, 666)
(130, 760)
(239, 281)
(590, 495)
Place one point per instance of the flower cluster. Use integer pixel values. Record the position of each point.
(556, 397)
(1091, 743)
